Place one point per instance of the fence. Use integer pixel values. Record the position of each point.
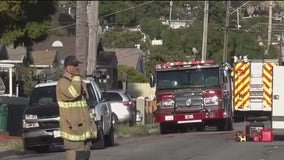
(141, 90)
(147, 108)
(150, 109)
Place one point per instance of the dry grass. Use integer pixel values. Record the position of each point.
(11, 145)
(125, 131)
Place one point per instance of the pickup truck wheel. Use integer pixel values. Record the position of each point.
(99, 142)
(114, 120)
(42, 149)
(109, 138)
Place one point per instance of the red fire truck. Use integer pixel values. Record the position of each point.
(192, 94)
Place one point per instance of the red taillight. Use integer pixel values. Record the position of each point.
(165, 96)
(128, 104)
(212, 93)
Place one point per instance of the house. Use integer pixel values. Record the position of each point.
(132, 57)
(65, 45)
(50, 44)
(156, 42)
(176, 24)
(43, 60)
(11, 55)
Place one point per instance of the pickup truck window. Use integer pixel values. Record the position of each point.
(91, 93)
(47, 95)
(43, 95)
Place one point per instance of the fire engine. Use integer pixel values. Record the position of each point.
(192, 95)
(252, 83)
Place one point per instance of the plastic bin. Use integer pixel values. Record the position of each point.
(3, 117)
(266, 135)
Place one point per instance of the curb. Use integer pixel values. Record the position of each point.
(6, 137)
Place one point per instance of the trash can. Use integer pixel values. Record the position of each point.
(3, 117)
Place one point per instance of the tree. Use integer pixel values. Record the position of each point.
(152, 27)
(23, 22)
(117, 17)
(133, 75)
(113, 39)
(130, 13)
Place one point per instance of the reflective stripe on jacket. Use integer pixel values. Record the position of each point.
(76, 124)
(78, 104)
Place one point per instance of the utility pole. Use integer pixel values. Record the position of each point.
(269, 25)
(205, 29)
(93, 12)
(170, 19)
(225, 53)
(238, 19)
(280, 50)
(81, 35)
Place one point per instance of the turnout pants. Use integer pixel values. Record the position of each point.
(77, 150)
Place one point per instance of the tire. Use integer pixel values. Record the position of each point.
(200, 128)
(99, 142)
(225, 125)
(42, 149)
(109, 138)
(230, 124)
(166, 128)
(114, 120)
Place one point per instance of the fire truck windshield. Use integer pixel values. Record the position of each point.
(172, 79)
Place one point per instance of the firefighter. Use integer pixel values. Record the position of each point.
(77, 125)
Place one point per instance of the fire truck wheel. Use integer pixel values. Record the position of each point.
(200, 128)
(225, 125)
(166, 128)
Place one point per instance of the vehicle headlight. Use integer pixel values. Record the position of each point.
(30, 124)
(30, 116)
(167, 103)
(211, 101)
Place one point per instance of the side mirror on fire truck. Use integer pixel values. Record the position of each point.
(152, 80)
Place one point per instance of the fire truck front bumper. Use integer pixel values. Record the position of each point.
(190, 117)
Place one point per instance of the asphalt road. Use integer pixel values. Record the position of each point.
(210, 145)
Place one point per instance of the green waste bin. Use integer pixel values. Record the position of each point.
(3, 117)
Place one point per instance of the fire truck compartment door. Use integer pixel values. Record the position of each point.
(278, 98)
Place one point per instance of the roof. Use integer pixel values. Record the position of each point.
(16, 54)
(69, 45)
(13, 54)
(127, 56)
(44, 57)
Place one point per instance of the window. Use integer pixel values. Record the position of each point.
(43, 95)
(114, 96)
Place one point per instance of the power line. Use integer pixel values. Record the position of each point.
(127, 9)
(69, 25)
(65, 26)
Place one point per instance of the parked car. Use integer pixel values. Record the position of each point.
(122, 106)
(41, 118)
